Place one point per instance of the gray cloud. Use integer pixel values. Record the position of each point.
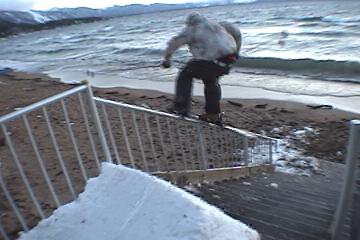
(16, 4)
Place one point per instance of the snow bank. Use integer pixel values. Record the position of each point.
(123, 203)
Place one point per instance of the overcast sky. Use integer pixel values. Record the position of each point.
(47, 4)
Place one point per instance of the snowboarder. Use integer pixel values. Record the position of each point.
(215, 48)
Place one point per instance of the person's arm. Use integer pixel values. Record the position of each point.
(234, 32)
(174, 44)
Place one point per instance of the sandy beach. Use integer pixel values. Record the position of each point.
(278, 119)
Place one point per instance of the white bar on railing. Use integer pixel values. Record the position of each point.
(246, 150)
(112, 139)
(181, 146)
(12, 204)
(223, 149)
(162, 143)
(190, 147)
(140, 142)
(58, 153)
(41, 103)
(140, 109)
(40, 161)
(22, 173)
(73, 141)
(202, 145)
(127, 143)
(352, 155)
(147, 125)
(231, 147)
(218, 133)
(88, 130)
(270, 151)
(172, 143)
(98, 125)
(211, 147)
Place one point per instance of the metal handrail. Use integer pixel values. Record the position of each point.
(231, 137)
(19, 120)
(352, 163)
(41, 103)
(174, 116)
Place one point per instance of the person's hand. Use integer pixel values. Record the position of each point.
(166, 64)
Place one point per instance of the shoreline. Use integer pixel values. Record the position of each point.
(344, 103)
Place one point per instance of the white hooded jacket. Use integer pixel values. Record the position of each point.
(207, 40)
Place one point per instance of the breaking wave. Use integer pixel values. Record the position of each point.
(330, 67)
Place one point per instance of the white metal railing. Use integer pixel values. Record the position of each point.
(52, 147)
(167, 142)
(38, 171)
(351, 191)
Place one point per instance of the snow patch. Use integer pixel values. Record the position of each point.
(38, 17)
(290, 160)
(124, 203)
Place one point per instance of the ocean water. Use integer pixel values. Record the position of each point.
(295, 47)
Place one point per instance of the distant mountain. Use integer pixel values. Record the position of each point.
(13, 22)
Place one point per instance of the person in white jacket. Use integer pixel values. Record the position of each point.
(214, 47)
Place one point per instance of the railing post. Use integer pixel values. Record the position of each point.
(352, 162)
(355, 218)
(270, 151)
(98, 125)
(246, 150)
(202, 147)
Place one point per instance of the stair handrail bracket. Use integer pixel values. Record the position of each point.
(351, 191)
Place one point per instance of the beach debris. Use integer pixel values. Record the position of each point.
(216, 196)
(262, 106)
(29, 89)
(274, 185)
(246, 183)
(235, 103)
(111, 92)
(5, 71)
(283, 110)
(321, 106)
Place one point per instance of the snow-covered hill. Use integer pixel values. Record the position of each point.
(55, 14)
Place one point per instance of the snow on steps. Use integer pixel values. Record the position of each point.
(124, 203)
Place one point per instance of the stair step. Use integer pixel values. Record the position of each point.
(276, 231)
(234, 203)
(300, 208)
(270, 203)
(284, 195)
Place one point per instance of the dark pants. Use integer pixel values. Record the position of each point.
(210, 74)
